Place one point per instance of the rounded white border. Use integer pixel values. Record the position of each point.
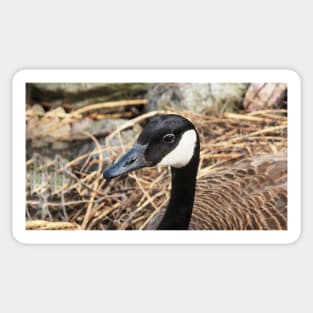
(156, 75)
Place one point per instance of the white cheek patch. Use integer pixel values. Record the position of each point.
(182, 154)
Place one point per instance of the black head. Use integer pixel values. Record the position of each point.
(166, 140)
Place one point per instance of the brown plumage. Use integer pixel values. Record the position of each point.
(250, 195)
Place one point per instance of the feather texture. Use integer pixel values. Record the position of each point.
(250, 195)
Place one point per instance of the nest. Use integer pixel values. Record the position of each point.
(73, 194)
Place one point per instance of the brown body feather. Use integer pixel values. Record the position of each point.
(250, 195)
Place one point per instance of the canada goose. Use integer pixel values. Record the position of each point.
(249, 195)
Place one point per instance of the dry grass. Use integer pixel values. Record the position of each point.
(71, 195)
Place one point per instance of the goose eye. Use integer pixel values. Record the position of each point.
(169, 138)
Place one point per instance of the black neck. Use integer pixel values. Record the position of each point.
(179, 210)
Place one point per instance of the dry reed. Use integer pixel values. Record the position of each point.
(71, 195)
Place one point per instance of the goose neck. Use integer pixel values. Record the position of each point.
(179, 210)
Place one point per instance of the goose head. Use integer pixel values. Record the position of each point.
(169, 140)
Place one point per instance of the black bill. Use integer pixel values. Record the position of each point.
(132, 160)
